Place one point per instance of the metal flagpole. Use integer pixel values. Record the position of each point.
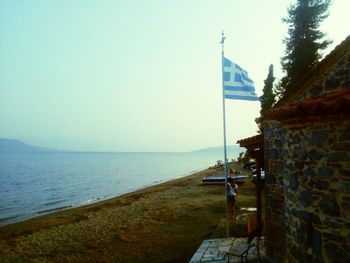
(224, 127)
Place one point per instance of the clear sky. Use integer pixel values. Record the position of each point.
(136, 75)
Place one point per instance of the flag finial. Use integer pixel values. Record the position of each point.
(222, 38)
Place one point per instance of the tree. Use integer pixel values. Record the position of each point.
(304, 42)
(279, 90)
(244, 158)
(268, 97)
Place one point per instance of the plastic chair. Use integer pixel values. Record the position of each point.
(252, 241)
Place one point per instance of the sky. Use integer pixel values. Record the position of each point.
(137, 75)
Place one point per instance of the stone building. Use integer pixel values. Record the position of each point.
(306, 144)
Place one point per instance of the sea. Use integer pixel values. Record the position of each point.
(37, 183)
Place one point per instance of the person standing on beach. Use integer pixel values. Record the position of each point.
(231, 192)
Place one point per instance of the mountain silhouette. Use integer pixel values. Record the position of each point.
(11, 145)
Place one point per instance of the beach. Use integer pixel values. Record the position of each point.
(162, 223)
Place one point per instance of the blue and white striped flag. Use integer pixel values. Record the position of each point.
(237, 84)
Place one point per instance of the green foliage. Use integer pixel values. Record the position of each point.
(268, 97)
(240, 157)
(279, 90)
(304, 42)
(244, 158)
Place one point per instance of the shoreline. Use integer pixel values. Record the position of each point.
(101, 202)
(147, 225)
(49, 211)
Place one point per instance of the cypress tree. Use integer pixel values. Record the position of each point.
(304, 42)
(268, 97)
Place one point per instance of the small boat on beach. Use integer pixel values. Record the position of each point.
(237, 178)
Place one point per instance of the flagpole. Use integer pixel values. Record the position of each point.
(224, 128)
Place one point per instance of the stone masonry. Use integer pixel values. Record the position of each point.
(332, 80)
(274, 165)
(317, 192)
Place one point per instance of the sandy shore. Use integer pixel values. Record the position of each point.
(162, 223)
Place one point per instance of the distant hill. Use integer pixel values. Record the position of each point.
(230, 149)
(10, 145)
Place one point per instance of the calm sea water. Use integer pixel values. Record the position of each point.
(35, 183)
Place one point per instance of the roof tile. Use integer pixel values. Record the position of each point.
(327, 104)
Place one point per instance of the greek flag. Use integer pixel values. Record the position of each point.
(237, 84)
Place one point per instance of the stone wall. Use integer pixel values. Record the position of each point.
(274, 166)
(333, 79)
(317, 192)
